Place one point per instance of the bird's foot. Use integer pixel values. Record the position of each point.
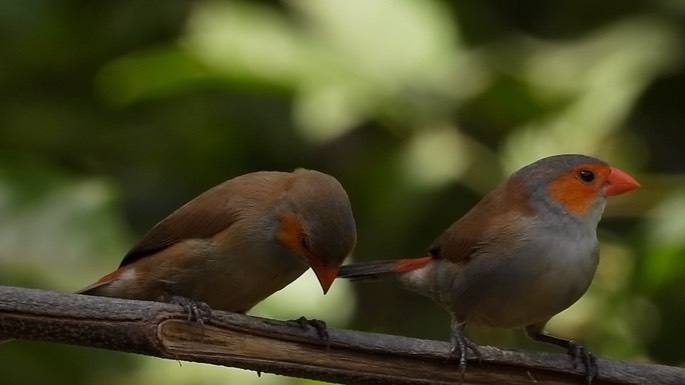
(574, 349)
(318, 325)
(460, 345)
(197, 311)
(579, 354)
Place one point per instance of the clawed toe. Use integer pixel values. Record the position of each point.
(197, 311)
(460, 346)
(574, 349)
(318, 325)
(578, 354)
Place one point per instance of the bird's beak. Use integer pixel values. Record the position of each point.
(325, 274)
(619, 182)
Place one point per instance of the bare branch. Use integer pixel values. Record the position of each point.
(264, 345)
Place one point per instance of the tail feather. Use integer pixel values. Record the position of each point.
(367, 270)
(375, 269)
(94, 289)
(112, 284)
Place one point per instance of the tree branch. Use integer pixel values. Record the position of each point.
(264, 345)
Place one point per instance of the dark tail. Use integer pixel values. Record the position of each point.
(375, 269)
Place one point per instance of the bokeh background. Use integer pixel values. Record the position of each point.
(112, 114)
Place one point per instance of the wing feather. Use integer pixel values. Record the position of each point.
(490, 221)
(211, 212)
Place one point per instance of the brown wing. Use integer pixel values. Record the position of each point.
(490, 221)
(178, 226)
(209, 213)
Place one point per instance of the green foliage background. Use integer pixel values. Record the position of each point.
(112, 114)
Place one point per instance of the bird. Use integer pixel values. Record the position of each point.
(238, 242)
(524, 253)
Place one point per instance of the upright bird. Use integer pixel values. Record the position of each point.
(525, 252)
(239, 242)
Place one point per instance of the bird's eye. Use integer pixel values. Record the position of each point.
(586, 176)
(304, 241)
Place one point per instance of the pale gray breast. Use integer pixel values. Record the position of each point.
(510, 287)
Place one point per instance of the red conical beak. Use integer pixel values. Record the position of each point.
(325, 274)
(619, 182)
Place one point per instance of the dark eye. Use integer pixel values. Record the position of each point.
(304, 241)
(586, 176)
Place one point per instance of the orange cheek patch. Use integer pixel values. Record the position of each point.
(576, 196)
(290, 233)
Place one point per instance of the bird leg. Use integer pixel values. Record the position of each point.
(318, 325)
(577, 351)
(197, 310)
(460, 344)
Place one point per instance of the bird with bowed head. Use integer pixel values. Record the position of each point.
(239, 242)
(525, 252)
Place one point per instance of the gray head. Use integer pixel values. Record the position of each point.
(571, 184)
(317, 223)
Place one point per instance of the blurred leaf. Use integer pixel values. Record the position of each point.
(161, 72)
(665, 242)
(602, 74)
(55, 226)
